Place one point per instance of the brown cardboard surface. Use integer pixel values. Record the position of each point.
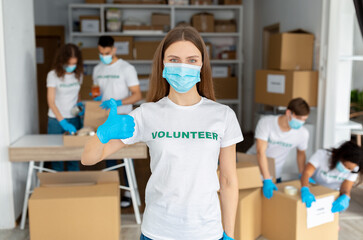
(253, 158)
(160, 19)
(248, 217)
(130, 40)
(145, 50)
(228, 55)
(203, 22)
(225, 25)
(76, 212)
(86, 87)
(95, 1)
(230, 2)
(201, 2)
(284, 216)
(226, 88)
(302, 84)
(90, 53)
(140, 28)
(291, 51)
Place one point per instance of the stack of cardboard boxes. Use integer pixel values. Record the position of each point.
(289, 74)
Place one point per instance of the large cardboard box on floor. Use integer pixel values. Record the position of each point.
(86, 88)
(285, 217)
(277, 88)
(248, 172)
(75, 205)
(291, 51)
(94, 116)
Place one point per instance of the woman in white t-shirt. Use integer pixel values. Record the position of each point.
(337, 169)
(187, 132)
(63, 85)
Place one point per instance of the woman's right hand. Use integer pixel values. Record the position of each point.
(67, 126)
(116, 126)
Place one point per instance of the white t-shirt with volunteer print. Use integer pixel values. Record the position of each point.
(114, 81)
(325, 176)
(279, 143)
(184, 143)
(66, 95)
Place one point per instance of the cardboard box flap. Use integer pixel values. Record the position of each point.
(242, 157)
(300, 30)
(77, 178)
(94, 115)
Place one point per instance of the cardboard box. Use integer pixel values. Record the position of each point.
(144, 85)
(230, 2)
(142, 28)
(201, 2)
(90, 24)
(291, 51)
(95, 1)
(203, 22)
(75, 205)
(140, 1)
(90, 54)
(221, 71)
(253, 159)
(285, 217)
(145, 50)
(228, 55)
(226, 88)
(225, 26)
(277, 88)
(124, 47)
(178, 2)
(86, 88)
(248, 217)
(161, 20)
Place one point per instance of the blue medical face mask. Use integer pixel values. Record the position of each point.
(295, 123)
(107, 59)
(341, 168)
(70, 68)
(182, 77)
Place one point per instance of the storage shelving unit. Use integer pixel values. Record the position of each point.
(177, 14)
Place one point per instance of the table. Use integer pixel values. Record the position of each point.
(46, 147)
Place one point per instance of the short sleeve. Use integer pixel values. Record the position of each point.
(138, 133)
(51, 79)
(131, 79)
(317, 158)
(94, 76)
(352, 177)
(232, 132)
(303, 145)
(262, 129)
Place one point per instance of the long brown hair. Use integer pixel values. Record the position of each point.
(64, 53)
(159, 87)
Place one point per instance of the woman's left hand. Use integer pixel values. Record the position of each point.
(226, 237)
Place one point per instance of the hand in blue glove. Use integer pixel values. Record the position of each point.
(268, 188)
(341, 204)
(81, 105)
(67, 126)
(116, 126)
(99, 98)
(225, 237)
(312, 181)
(307, 197)
(106, 104)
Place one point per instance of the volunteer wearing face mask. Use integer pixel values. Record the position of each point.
(337, 169)
(187, 132)
(276, 136)
(63, 85)
(117, 79)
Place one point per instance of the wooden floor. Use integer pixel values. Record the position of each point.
(351, 226)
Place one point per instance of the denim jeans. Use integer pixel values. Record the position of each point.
(55, 128)
(143, 237)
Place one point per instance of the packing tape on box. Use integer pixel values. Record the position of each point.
(290, 190)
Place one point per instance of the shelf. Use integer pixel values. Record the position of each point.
(158, 6)
(351, 58)
(349, 125)
(80, 34)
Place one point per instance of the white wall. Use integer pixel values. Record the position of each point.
(19, 91)
(357, 76)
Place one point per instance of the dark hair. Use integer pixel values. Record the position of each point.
(64, 53)
(299, 106)
(106, 41)
(348, 151)
(159, 87)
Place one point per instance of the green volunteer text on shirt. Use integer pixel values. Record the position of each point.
(187, 135)
(288, 145)
(325, 173)
(65, 85)
(108, 76)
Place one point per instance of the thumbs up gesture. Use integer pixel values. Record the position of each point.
(116, 126)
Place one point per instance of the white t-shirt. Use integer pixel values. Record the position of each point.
(279, 143)
(323, 175)
(114, 81)
(66, 95)
(184, 143)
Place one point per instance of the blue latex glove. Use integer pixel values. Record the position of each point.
(307, 197)
(99, 98)
(341, 204)
(312, 181)
(80, 104)
(268, 188)
(116, 126)
(225, 237)
(106, 104)
(67, 126)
